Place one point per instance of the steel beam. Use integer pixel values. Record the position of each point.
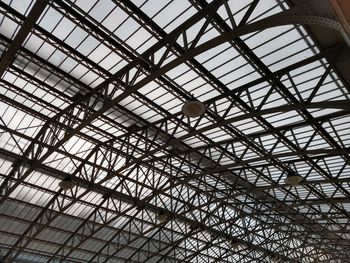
(36, 11)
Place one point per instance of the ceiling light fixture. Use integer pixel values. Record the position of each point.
(66, 184)
(234, 244)
(193, 109)
(162, 217)
(293, 180)
(274, 259)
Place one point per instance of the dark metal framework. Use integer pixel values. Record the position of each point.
(91, 91)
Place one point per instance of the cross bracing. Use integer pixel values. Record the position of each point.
(92, 91)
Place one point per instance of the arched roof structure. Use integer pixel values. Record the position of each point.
(101, 163)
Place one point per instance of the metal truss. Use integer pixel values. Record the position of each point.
(221, 191)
